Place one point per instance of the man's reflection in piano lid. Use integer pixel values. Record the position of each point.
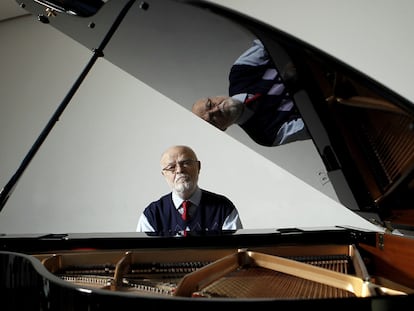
(259, 101)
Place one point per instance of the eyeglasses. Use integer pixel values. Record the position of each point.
(184, 164)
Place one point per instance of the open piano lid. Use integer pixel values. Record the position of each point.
(369, 160)
(363, 131)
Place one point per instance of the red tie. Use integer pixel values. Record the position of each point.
(185, 205)
(252, 99)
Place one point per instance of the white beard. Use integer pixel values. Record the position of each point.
(183, 187)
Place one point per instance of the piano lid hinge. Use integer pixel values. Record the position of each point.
(381, 241)
(329, 159)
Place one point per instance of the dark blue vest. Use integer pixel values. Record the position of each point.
(209, 216)
(263, 126)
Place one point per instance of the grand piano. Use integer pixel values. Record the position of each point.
(362, 130)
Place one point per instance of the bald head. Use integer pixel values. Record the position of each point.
(174, 152)
(221, 111)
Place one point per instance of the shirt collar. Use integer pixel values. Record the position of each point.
(194, 199)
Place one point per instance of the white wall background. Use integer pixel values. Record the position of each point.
(99, 167)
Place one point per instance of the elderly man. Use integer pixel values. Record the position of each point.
(187, 207)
